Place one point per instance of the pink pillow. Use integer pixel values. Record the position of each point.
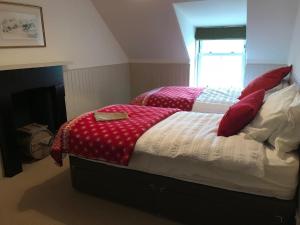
(266, 81)
(240, 114)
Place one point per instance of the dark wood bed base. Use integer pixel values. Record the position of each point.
(185, 202)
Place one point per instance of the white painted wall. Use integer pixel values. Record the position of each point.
(270, 26)
(188, 35)
(269, 30)
(255, 70)
(74, 32)
(294, 57)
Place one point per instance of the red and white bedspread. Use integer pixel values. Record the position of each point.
(109, 141)
(170, 97)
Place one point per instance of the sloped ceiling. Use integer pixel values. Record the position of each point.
(215, 12)
(208, 13)
(147, 30)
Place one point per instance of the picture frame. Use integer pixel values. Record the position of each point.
(21, 26)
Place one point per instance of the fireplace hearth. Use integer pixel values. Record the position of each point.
(34, 95)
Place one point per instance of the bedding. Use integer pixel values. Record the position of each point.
(193, 137)
(272, 115)
(286, 138)
(240, 114)
(207, 100)
(110, 141)
(284, 83)
(216, 100)
(181, 135)
(169, 97)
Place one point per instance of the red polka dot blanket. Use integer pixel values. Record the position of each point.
(109, 141)
(169, 97)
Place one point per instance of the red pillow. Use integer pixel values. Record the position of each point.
(266, 81)
(240, 114)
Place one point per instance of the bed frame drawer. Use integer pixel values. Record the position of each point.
(186, 202)
(194, 210)
(111, 185)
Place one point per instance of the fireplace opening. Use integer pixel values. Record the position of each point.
(34, 97)
(34, 106)
(34, 119)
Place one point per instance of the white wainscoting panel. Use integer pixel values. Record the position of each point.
(146, 76)
(91, 88)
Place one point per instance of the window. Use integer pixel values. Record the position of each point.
(221, 63)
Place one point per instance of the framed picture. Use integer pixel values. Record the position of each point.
(21, 26)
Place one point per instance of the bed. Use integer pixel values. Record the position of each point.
(211, 100)
(205, 100)
(197, 178)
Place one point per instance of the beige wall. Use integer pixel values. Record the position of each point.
(92, 88)
(75, 32)
(146, 76)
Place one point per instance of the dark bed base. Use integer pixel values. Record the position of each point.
(185, 202)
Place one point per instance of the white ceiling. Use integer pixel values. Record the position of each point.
(215, 12)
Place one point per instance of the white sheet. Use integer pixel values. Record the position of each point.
(216, 100)
(185, 146)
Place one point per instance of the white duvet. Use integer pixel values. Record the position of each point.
(192, 137)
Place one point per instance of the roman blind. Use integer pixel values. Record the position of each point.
(217, 33)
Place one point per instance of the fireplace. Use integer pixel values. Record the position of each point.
(27, 96)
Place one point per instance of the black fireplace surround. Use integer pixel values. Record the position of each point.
(27, 96)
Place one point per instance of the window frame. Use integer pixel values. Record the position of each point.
(199, 55)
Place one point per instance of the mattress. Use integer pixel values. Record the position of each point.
(279, 181)
(216, 100)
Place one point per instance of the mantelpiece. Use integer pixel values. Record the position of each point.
(34, 65)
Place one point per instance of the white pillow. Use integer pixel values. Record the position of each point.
(287, 137)
(283, 84)
(272, 114)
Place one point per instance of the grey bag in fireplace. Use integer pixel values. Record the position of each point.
(35, 140)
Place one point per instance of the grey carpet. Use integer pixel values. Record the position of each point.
(43, 195)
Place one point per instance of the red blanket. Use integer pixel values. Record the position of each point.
(110, 141)
(169, 97)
